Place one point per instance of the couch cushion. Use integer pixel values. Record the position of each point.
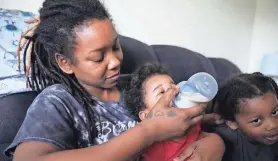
(135, 53)
(182, 63)
(224, 68)
(12, 112)
(2, 156)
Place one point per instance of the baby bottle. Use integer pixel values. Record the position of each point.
(200, 88)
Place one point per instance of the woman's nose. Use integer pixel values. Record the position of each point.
(114, 62)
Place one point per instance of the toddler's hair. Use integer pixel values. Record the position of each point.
(238, 88)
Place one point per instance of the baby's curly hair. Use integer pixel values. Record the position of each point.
(134, 93)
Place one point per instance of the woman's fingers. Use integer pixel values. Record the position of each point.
(196, 120)
(195, 111)
(169, 95)
(166, 99)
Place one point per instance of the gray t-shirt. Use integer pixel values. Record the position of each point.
(56, 117)
(239, 148)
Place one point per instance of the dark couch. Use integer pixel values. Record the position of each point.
(182, 63)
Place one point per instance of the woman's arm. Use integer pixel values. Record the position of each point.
(120, 148)
(210, 148)
(162, 123)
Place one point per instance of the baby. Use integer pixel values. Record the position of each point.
(249, 105)
(146, 88)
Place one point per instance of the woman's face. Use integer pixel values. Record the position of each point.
(98, 55)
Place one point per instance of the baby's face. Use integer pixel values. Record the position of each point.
(258, 118)
(154, 87)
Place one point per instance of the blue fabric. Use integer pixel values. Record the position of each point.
(11, 27)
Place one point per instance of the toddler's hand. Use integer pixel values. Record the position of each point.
(212, 119)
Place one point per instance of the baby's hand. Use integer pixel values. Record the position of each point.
(189, 154)
(202, 150)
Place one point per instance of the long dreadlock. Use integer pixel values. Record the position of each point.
(22, 44)
(53, 33)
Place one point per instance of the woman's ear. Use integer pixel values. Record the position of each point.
(143, 114)
(233, 125)
(64, 63)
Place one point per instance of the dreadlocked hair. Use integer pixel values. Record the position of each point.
(54, 33)
(237, 89)
(134, 94)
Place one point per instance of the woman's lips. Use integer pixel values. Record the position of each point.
(114, 76)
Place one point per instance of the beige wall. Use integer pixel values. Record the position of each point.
(25, 5)
(265, 34)
(215, 28)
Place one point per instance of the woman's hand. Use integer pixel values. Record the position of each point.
(165, 122)
(210, 148)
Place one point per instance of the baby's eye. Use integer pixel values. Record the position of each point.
(160, 93)
(256, 122)
(275, 113)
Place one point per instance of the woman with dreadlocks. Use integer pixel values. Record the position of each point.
(75, 59)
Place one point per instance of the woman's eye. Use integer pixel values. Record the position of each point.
(256, 122)
(98, 60)
(275, 113)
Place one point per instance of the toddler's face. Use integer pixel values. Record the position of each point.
(153, 89)
(258, 118)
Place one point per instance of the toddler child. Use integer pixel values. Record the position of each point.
(248, 104)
